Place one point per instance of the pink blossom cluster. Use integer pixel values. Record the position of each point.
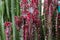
(30, 14)
(7, 30)
(29, 18)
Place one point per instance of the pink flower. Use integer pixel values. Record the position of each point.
(25, 28)
(7, 24)
(51, 10)
(36, 12)
(24, 13)
(24, 1)
(24, 5)
(37, 22)
(7, 29)
(18, 21)
(35, 1)
(27, 6)
(29, 15)
(49, 2)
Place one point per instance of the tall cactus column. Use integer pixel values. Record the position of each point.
(43, 20)
(48, 12)
(2, 21)
(58, 20)
(50, 22)
(46, 15)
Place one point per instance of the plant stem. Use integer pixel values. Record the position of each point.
(17, 7)
(13, 23)
(7, 8)
(1, 21)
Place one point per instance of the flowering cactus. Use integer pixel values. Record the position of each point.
(28, 26)
(25, 32)
(18, 22)
(7, 30)
(30, 15)
(58, 20)
(49, 13)
(46, 6)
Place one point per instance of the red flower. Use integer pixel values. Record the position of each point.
(7, 24)
(24, 1)
(49, 2)
(36, 12)
(34, 1)
(25, 28)
(36, 21)
(24, 5)
(7, 30)
(18, 21)
(51, 10)
(58, 16)
(29, 15)
(16, 18)
(27, 6)
(24, 12)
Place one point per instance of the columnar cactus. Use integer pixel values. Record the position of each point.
(58, 25)
(50, 22)
(48, 16)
